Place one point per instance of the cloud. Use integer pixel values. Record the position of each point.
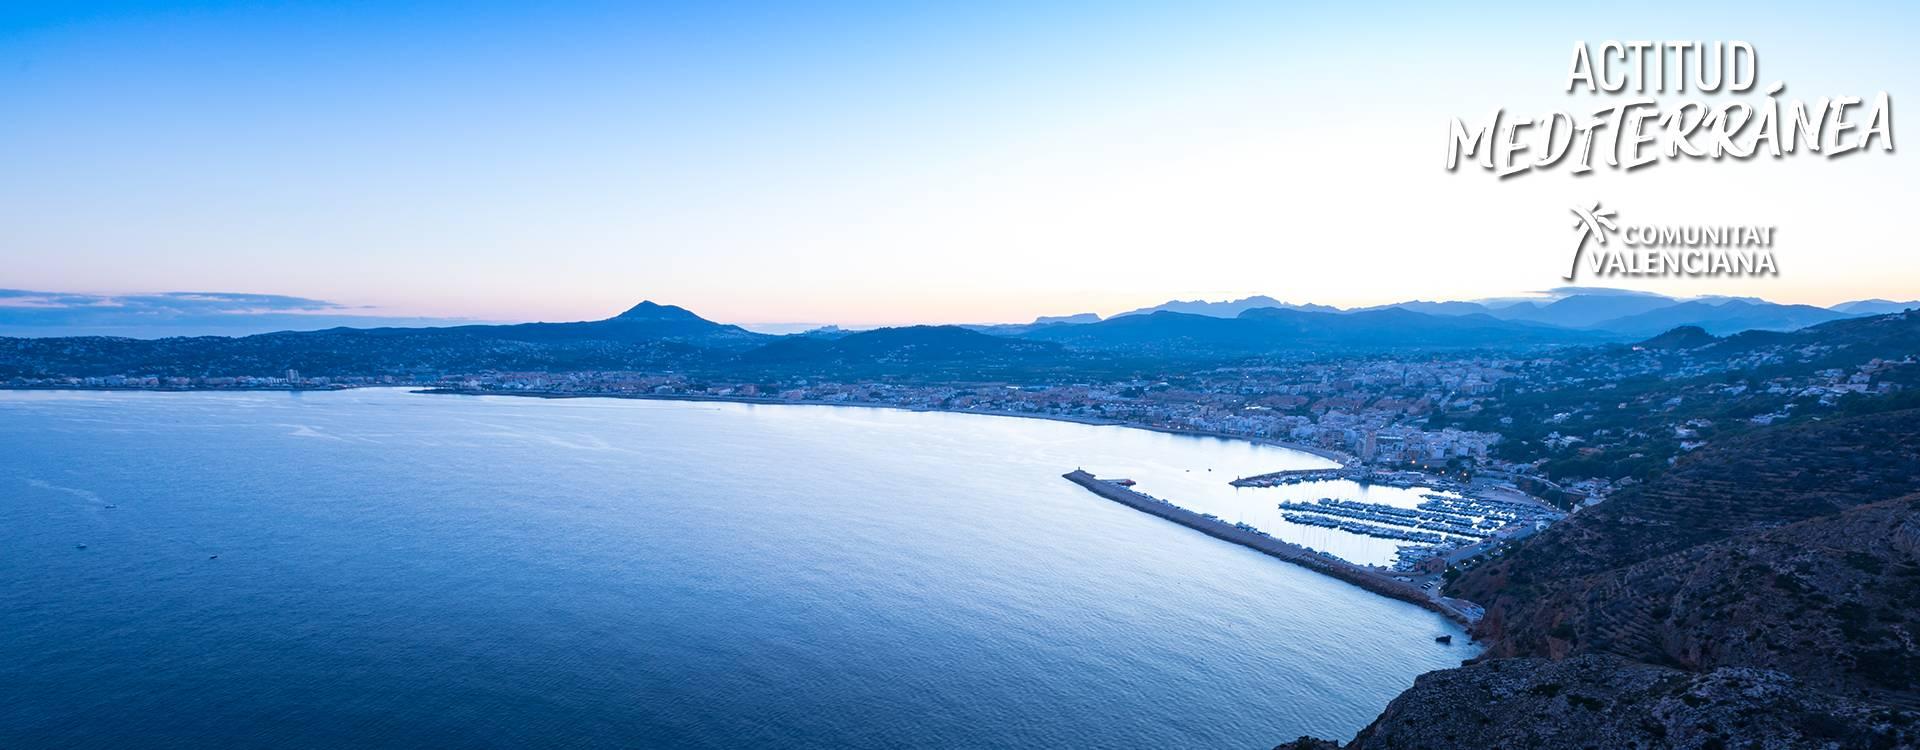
(166, 302)
(36, 313)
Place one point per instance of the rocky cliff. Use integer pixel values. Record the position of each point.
(1609, 703)
(1763, 593)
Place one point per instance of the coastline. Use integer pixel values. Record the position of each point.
(1338, 457)
(1352, 573)
(191, 389)
(1345, 460)
(1357, 575)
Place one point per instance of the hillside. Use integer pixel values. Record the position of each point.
(1605, 702)
(1683, 337)
(1754, 552)
(647, 321)
(647, 336)
(1731, 316)
(1585, 310)
(1764, 592)
(1753, 482)
(1833, 601)
(1875, 306)
(918, 350)
(1279, 330)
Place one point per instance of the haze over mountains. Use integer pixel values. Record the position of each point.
(653, 337)
(1609, 310)
(1619, 313)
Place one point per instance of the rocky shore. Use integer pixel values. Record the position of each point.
(1605, 701)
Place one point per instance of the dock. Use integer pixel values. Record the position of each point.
(1363, 474)
(1376, 581)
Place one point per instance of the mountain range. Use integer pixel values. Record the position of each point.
(654, 336)
(1627, 313)
(1226, 309)
(1621, 314)
(1267, 330)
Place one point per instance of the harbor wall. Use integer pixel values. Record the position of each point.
(1357, 575)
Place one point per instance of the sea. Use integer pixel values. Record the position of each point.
(383, 568)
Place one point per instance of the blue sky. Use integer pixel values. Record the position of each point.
(866, 163)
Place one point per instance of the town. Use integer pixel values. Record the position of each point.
(1569, 425)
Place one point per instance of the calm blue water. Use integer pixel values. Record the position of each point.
(410, 570)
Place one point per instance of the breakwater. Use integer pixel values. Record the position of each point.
(1404, 479)
(1254, 539)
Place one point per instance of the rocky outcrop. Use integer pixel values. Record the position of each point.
(1791, 549)
(1606, 702)
(1763, 593)
(1833, 601)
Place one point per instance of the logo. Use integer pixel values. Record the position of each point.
(1669, 250)
(1591, 223)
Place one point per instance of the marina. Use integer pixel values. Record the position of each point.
(1399, 526)
(1378, 532)
(1366, 577)
(1445, 523)
(1362, 474)
(1439, 525)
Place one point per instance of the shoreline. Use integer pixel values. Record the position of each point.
(1324, 563)
(1343, 459)
(191, 389)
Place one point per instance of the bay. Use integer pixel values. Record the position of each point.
(400, 569)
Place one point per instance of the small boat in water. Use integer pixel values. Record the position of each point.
(1445, 639)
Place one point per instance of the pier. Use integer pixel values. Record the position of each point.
(1246, 536)
(1401, 478)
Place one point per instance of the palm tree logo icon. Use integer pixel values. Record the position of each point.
(1594, 223)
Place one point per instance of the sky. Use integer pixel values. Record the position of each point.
(878, 163)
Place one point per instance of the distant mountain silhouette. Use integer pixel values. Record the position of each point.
(1227, 309)
(1619, 311)
(650, 310)
(1438, 307)
(1270, 330)
(1584, 310)
(910, 350)
(657, 336)
(648, 336)
(1720, 319)
(1076, 319)
(1159, 331)
(1398, 327)
(1874, 307)
(645, 322)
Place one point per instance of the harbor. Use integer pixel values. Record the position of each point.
(1403, 479)
(1376, 580)
(1439, 521)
